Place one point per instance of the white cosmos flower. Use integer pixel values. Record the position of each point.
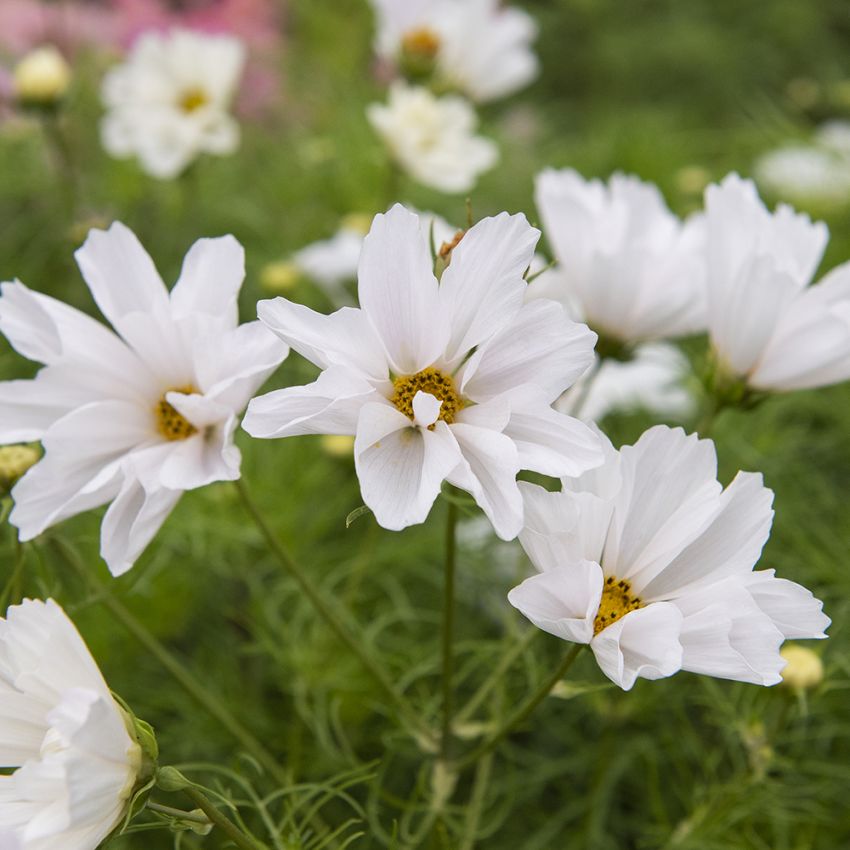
(767, 326)
(77, 762)
(432, 138)
(806, 173)
(170, 100)
(478, 47)
(133, 418)
(438, 381)
(651, 380)
(632, 269)
(650, 561)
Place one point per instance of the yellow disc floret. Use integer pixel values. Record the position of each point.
(422, 43)
(193, 99)
(617, 601)
(432, 381)
(171, 424)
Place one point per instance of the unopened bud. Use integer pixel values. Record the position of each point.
(14, 462)
(357, 222)
(280, 276)
(338, 445)
(803, 670)
(42, 77)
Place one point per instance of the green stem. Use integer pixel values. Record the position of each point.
(523, 711)
(448, 628)
(177, 814)
(239, 838)
(181, 675)
(495, 677)
(476, 802)
(331, 617)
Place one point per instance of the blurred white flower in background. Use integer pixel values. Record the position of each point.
(652, 380)
(433, 138)
(478, 47)
(439, 381)
(139, 417)
(626, 265)
(77, 756)
(767, 326)
(650, 561)
(815, 173)
(170, 100)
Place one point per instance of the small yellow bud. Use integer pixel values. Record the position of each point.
(42, 77)
(804, 669)
(338, 445)
(358, 222)
(14, 462)
(280, 276)
(692, 179)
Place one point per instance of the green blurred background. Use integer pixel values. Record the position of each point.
(677, 92)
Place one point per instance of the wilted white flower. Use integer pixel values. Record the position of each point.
(333, 262)
(651, 380)
(77, 754)
(438, 381)
(135, 418)
(432, 138)
(768, 328)
(650, 561)
(41, 77)
(170, 101)
(478, 47)
(627, 266)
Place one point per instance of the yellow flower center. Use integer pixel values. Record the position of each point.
(431, 381)
(422, 43)
(445, 252)
(193, 99)
(617, 601)
(171, 424)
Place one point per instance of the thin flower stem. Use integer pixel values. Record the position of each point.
(331, 617)
(177, 814)
(476, 802)
(496, 676)
(523, 711)
(707, 420)
(181, 675)
(448, 627)
(239, 838)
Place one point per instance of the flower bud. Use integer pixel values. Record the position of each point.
(804, 669)
(42, 77)
(14, 462)
(356, 221)
(337, 445)
(279, 276)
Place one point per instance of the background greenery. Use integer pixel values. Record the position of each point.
(677, 92)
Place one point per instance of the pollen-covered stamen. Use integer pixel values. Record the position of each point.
(432, 381)
(617, 600)
(445, 252)
(169, 422)
(421, 43)
(193, 99)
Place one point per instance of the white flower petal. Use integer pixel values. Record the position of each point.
(644, 643)
(132, 521)
(563, 600)
(483, 287)
(330, 405)
(209, 283)
(401, 467)
(399, 293)
(120, 274)
(426, 409)
(791, 607)
(541, 347)
(488, 471)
